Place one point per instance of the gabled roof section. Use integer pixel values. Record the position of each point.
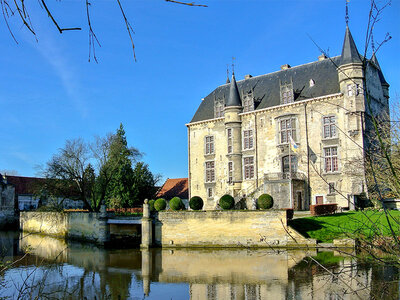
(349, 51)
(234, 96)
(266, 88)
(175, 187)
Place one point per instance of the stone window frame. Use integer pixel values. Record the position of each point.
(293, 131)
(331, 160)
(350, 90)
(210, 192)
(229, 139)
(248, 101)
(219, 105)
(295, 161)
(331, 188)
(231, 166)
(287, 93)
(248, 140)
(331, 126)
(209, 145)
(248, 168)
(314, 200)
(209, 171)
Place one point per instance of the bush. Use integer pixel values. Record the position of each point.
(160, 204)
(176, 203)
(151, 205)
(227, 202)
(196, 203)
(265, 201)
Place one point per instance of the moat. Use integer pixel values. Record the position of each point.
(46, 267)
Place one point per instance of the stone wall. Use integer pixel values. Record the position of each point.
(83, 226)
(225, 229)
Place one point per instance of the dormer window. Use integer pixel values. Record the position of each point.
(248, 101)
(219, 108)
(287, 93)
(312, 82)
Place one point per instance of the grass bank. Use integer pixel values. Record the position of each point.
(357, 224)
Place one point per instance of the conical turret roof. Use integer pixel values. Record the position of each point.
(234, 96)
(349, 51)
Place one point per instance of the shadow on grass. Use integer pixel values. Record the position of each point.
(305, 225)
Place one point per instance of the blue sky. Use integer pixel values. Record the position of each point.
(49, 92)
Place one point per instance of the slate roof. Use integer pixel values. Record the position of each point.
(175, 187)
(266, 88)
(234, 96)
(349, 51)
(25, 185)
(381, 77)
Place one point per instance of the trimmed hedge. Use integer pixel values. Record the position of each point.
(176, 203)
(151, 205)
(160, 204)
(227, 202)
(323, 209)
(265, 201)
(196, 203)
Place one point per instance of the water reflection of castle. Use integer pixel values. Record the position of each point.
(209, 274)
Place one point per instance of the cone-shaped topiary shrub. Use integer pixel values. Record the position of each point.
(227, 202)
(265, 201)
(196, 203)
(160, 204)
(176, 203)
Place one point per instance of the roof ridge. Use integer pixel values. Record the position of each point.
(253, 77)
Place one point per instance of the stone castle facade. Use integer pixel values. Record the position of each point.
(297, 134)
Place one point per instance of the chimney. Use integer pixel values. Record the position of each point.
(285, 67)
(248, 76)
(322, 57)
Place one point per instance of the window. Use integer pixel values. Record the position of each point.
(209, 192)
(329, 127)
(209, 144)
(230, 143)
(331, 187)
(350, 90)
(331, 159)
(287, 127)
(219, 108)
(247, 139)
(230, 172)
(248, 163)
(287, 94)
(285, 164)
(210, 171)
(312, 82)
(248, 102)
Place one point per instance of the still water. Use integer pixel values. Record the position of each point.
(56, 269)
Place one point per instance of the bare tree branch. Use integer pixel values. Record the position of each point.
(186, 3)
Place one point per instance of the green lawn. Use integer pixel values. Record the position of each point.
(350, 224)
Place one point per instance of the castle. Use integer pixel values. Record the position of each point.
(297, 134)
